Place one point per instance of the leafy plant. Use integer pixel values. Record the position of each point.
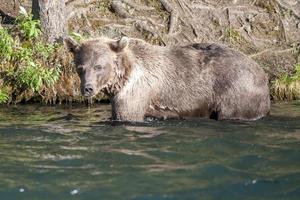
(29, 27)
(25, 58)
(3, 97)
(50, 76)
(34, 76)
(23, 54)
(6, 44)
(44, 50)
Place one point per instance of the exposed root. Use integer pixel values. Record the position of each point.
(141, 23)
(117, 6)
(78, 7)
(137, 6)
(173, 15)
(143, 26)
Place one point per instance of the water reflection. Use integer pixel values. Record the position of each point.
(59, 152)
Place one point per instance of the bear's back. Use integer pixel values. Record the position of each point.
(203, 74)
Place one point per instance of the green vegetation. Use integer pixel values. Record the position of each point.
(233, 36)
(34, 76)
(27, 63)
(6, 44)
(287, 86)
(29, 27)
(104, 6)
(76, 36)
(3, 97)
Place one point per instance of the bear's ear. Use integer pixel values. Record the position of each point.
(71, 44)
(119, 45)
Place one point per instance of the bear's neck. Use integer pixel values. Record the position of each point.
(144, 54)
(121, 74)
(136, 55)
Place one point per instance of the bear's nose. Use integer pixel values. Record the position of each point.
(88, 90)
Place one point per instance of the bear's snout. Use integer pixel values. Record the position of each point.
(88, 90)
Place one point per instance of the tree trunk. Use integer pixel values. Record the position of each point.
(52, 14)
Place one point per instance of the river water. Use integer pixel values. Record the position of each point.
(72, 152)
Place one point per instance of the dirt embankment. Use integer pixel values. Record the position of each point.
(266, 30)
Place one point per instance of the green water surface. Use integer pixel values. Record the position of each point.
(72, 152)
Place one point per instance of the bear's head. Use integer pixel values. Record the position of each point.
(96, 62)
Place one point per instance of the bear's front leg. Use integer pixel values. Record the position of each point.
(128, 109)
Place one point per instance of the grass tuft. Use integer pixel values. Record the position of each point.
(287, 87)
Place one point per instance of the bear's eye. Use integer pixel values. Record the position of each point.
(79, 68)
(98, 67)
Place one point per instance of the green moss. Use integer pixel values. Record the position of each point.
(233, 35)
(104, 6)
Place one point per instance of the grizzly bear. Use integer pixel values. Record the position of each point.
(205, 80)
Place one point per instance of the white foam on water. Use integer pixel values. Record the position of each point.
(74, 192)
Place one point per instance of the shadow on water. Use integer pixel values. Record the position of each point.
(73, 152)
